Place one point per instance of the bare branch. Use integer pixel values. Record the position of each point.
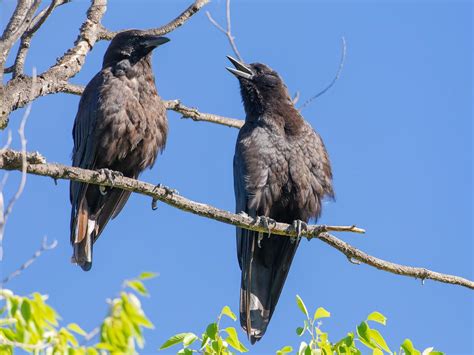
(227, 32)
(17, 25)
(37, 22)
(44, 247)
(338, 74)
(171, 26)
(195, 115)
(12, 160)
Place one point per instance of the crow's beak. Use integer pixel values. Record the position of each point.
(241, 70)
(155, 41)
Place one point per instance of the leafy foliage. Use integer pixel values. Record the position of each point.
(213, 341)
(319, 344)
(31, 324)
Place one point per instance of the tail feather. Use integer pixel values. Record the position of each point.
(264, 271)
(96, 207)
(83, 238)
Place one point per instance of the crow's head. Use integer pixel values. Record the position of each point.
(261, 87)
(132, 45)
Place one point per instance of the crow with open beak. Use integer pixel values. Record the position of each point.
(120, 125)
(281, 172)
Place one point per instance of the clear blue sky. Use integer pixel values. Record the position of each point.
(397, 125)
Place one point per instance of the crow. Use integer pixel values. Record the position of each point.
(281, 172)
(121, 126)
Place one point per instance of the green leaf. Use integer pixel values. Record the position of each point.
(142, 320)
(300, 331)
(77, 329)
(302, 348)
(175, 339)
(104, 346)
(228, 312)
(301, 305)
(377, 317)
(185, 352)
(211, 331)
(285, 350)
(408, 347)
(147, 275)
(189, 339)
(138, 286)
(308, 351)
(26, 309)
(364, 336)
(378, 338)
(377, 351)
(321, 313)
(233, 340)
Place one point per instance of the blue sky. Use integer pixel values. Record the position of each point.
(398, 128)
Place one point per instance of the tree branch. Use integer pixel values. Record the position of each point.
(37, 22)
(195, 115)
(171, 26)
(36, 164)
(17, 25)
(15, 94)
(227, 32)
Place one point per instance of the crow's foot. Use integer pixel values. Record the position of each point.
(168, 190)
(298, 226)
(111, 175)
(267, 222)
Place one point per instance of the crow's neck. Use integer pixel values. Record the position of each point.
(280, 115)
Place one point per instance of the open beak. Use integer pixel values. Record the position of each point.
(241, 70)
(155, 41)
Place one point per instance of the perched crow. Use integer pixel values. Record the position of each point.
(281, 172)
(120, 125)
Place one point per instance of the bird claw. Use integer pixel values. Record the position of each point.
(298, 226)
(168, 190)
(111, 175)
(267, 222)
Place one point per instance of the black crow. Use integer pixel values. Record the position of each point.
(281, 172)
(120, 125)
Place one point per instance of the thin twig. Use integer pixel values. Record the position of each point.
(44, 247)
(9, 140)
(195, 115)
(21, 132)
(11, 160)
(338, 74)
(227, 32)
(296, 98)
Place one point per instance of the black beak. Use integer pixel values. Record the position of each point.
(241, 70)
(155, 41)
